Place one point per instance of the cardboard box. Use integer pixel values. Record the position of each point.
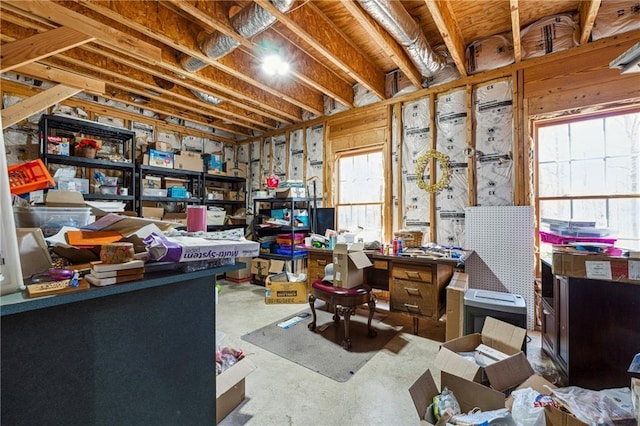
(160, 146)
(455, 305)
(285, 291)
(213, 163)
(236, 195)
(468, 394)
(74, 184)
(58, 145)
(230, 387)
(348, 265)
(158, 159)
(216, 217)
(497, 335)
(260, 266)
(292, 192)
(153, 212)
(153, 182)
(236, 169)
(597, 267)
(180, 218)
(64, 199)
(240, 275)
(188, 161)
(170, 182)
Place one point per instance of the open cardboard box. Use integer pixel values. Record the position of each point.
(455, 305)
(496, 334)
(468, 394)
(230, 387)
(348, 265)
(278, 288)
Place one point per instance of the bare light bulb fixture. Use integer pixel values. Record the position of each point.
(274, 65)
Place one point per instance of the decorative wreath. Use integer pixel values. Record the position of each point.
(422, 164)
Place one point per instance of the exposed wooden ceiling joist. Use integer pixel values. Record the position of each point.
(588, 11)
(450, 31)
(28, 50)
(44, 72)
(27, 107)
(515, 29)
(314, 28)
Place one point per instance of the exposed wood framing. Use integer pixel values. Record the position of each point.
(36, 103)
(385, 41)
(519, 157)
(433, 167)
(311, 25)
(44, 72)
(120, 41)
(450, 31)
(588, 10)
(471, 140)
(515, 30)
(28, 50)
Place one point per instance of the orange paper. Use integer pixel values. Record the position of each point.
(92, 238)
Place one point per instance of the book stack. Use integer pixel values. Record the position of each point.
(103, 274)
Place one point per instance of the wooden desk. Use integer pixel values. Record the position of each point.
(133, 353)
(416, 285)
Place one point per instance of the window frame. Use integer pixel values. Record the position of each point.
(383, 203)
(537, 124)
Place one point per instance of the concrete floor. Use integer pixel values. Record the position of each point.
(280, 392)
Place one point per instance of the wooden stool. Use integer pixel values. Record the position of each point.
(344, 301)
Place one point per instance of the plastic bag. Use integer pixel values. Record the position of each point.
(445, 401)
(528, 407)
(592, 407)
(500, 417)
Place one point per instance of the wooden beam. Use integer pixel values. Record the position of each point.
(45, 72)
(35, 104)
(108, 58)
(150, 19)
(25, 91)
(314, 28)
(588, 10)
(31, 49)
(386, 42)
(120, 41)
(307, 70)
(515, 30)
(451, 34)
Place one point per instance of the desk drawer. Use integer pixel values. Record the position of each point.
(412, 273)
(316, 265)
(414, 297)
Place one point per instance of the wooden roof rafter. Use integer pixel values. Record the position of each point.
(515, 30)
(451, 34)
(588, 10)
(311, 25)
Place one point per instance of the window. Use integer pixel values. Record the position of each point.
(589, 170)
(360, 184)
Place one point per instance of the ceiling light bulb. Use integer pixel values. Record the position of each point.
(274, 65)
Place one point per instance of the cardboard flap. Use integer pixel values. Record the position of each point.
(503, 336)
(359, 259)
(509, 373)
(228, 378)
(535, 382)
(422, 392)
(470, 394)
(276, 266)
(64, 199)
(450, 362)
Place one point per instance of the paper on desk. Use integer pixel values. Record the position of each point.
(126, 225)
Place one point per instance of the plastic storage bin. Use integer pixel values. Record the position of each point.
(51, 219)
(27, 177)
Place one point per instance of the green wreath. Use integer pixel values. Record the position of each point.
(422, 164)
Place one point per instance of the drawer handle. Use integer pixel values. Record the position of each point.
(412, 291)
(322, 262)
(412, 308)
(412, 274)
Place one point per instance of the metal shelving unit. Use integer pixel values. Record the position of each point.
(57, 125)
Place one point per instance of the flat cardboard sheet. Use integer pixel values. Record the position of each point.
(34, 254)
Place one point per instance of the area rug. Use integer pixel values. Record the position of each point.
(321, 351)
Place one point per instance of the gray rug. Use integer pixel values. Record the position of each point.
(321, 351)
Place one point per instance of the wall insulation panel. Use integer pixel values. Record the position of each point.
(416, 141)
(296, 155)
(315, 159)
(280, 156)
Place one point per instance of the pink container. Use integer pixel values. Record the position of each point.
(196, 218)
(547, 237)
